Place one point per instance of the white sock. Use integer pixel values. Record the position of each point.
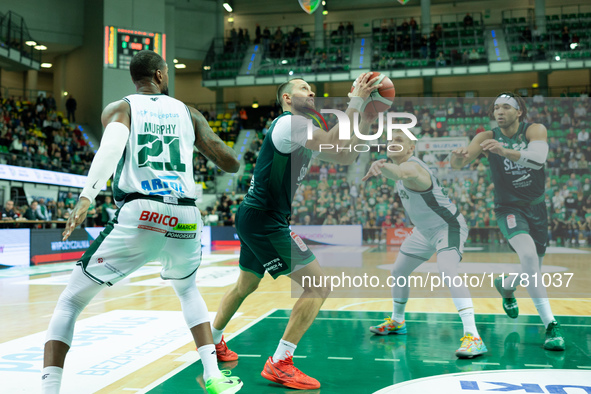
(543, 307)
(210, 362)
(467, 316)
(398, 312)
(465, 309)
(51, 380)
(217, 335)
(282, 350)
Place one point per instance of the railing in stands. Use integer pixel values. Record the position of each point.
(14, 34)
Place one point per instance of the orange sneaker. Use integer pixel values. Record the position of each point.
(224, 354)
(285, 373)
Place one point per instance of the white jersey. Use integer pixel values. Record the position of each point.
(432, 209)
(158, 157)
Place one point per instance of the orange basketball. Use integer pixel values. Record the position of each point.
(379, 100)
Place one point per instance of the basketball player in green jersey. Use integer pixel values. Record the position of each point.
(517, 152)
(262, 221)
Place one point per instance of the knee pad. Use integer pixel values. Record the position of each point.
(192, 303)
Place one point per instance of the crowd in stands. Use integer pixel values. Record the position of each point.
(327, 197)
(448, 43)
(99, 213)
(35, 134)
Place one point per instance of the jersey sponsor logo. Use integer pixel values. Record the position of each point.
(301, 244)
(170, 234)
(273, 264)
(512, 166)
(523, 178)
(511, 221)
(159, 186)
(185, 227)
(159, 218)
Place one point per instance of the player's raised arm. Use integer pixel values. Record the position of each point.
(362, 90)
(407, 171)
(211, 145)
(534, 156)
(462, 156)
(116, 120)
(345, 155)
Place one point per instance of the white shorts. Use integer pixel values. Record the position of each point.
(143, 231)
(445, 238)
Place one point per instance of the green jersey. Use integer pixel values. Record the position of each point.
(515, 184)
(281, 165)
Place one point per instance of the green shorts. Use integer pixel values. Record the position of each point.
(267, 243)
(532, 220)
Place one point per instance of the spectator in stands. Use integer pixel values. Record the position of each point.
(565, 122)
(42, 212)
(71, 105)
(526, 35)
(580, 111)
(524, 55)
(586, 228)
(440, 61)
(468, 20)
(541, 52)
(8, 212)
(424, 46)
(433, 44)
(31, 212)
(565, 38)
(465, 57)
(574, 40)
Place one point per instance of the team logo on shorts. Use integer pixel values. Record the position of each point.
(99, 260)
(303, 247)
(511, 222)
(170, 234)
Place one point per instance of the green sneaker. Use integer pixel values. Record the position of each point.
(509, 303)
(389, 327)
(225, 385)
(554, 338)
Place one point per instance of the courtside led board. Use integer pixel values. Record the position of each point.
(121, 44)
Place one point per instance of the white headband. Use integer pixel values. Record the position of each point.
(506, 99)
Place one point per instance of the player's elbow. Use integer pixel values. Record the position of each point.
(231, 165)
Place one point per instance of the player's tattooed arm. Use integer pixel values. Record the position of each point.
(211, 146)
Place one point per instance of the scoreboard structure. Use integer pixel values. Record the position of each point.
(121, 44)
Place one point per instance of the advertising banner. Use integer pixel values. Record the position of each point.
(14, 247)
(395, 236)
(33, 175)
(346, 235)
(47, 245)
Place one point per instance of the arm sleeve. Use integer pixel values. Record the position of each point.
(290, 132)
(535, 155)
(106, 159)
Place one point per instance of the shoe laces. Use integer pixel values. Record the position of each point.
(554, 330)
(389, 320)
(288, 361)
(466, 339)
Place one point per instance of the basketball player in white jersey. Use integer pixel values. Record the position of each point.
(439, 228)
(148, 143)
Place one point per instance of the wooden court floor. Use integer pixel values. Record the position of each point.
(28, 298)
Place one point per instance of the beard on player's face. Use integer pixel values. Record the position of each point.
(164, 90)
